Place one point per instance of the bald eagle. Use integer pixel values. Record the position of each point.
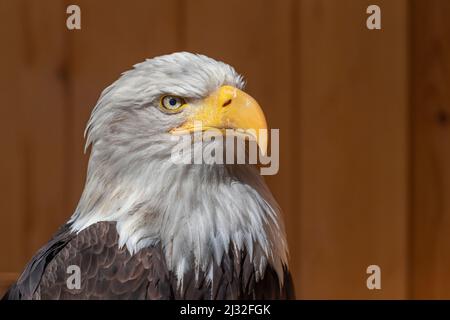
(148, 228)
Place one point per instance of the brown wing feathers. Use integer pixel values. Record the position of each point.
(110, 272)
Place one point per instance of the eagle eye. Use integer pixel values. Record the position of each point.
(172, 103)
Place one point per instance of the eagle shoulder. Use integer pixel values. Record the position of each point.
(106, 271)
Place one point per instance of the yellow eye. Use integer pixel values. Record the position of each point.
(172, 103)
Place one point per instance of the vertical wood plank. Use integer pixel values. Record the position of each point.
(255, 38)
(353, 97)
(31, 128)
(44, 111)
(11, 182)
(431, 149)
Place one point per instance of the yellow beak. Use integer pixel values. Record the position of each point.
(228, 108)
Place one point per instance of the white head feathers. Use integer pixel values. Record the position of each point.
(195, 211)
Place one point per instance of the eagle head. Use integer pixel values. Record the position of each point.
(172, 95)
(196, 212)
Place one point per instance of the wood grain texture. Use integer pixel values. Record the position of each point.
(12, 175)
(353, 98)
(32, 129)
(431, 149)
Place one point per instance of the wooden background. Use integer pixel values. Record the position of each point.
(363, 116)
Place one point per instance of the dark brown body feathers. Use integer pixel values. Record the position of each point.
(110, 272)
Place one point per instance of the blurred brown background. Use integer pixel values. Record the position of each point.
(363, 116)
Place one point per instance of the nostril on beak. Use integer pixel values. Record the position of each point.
(226, 103)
